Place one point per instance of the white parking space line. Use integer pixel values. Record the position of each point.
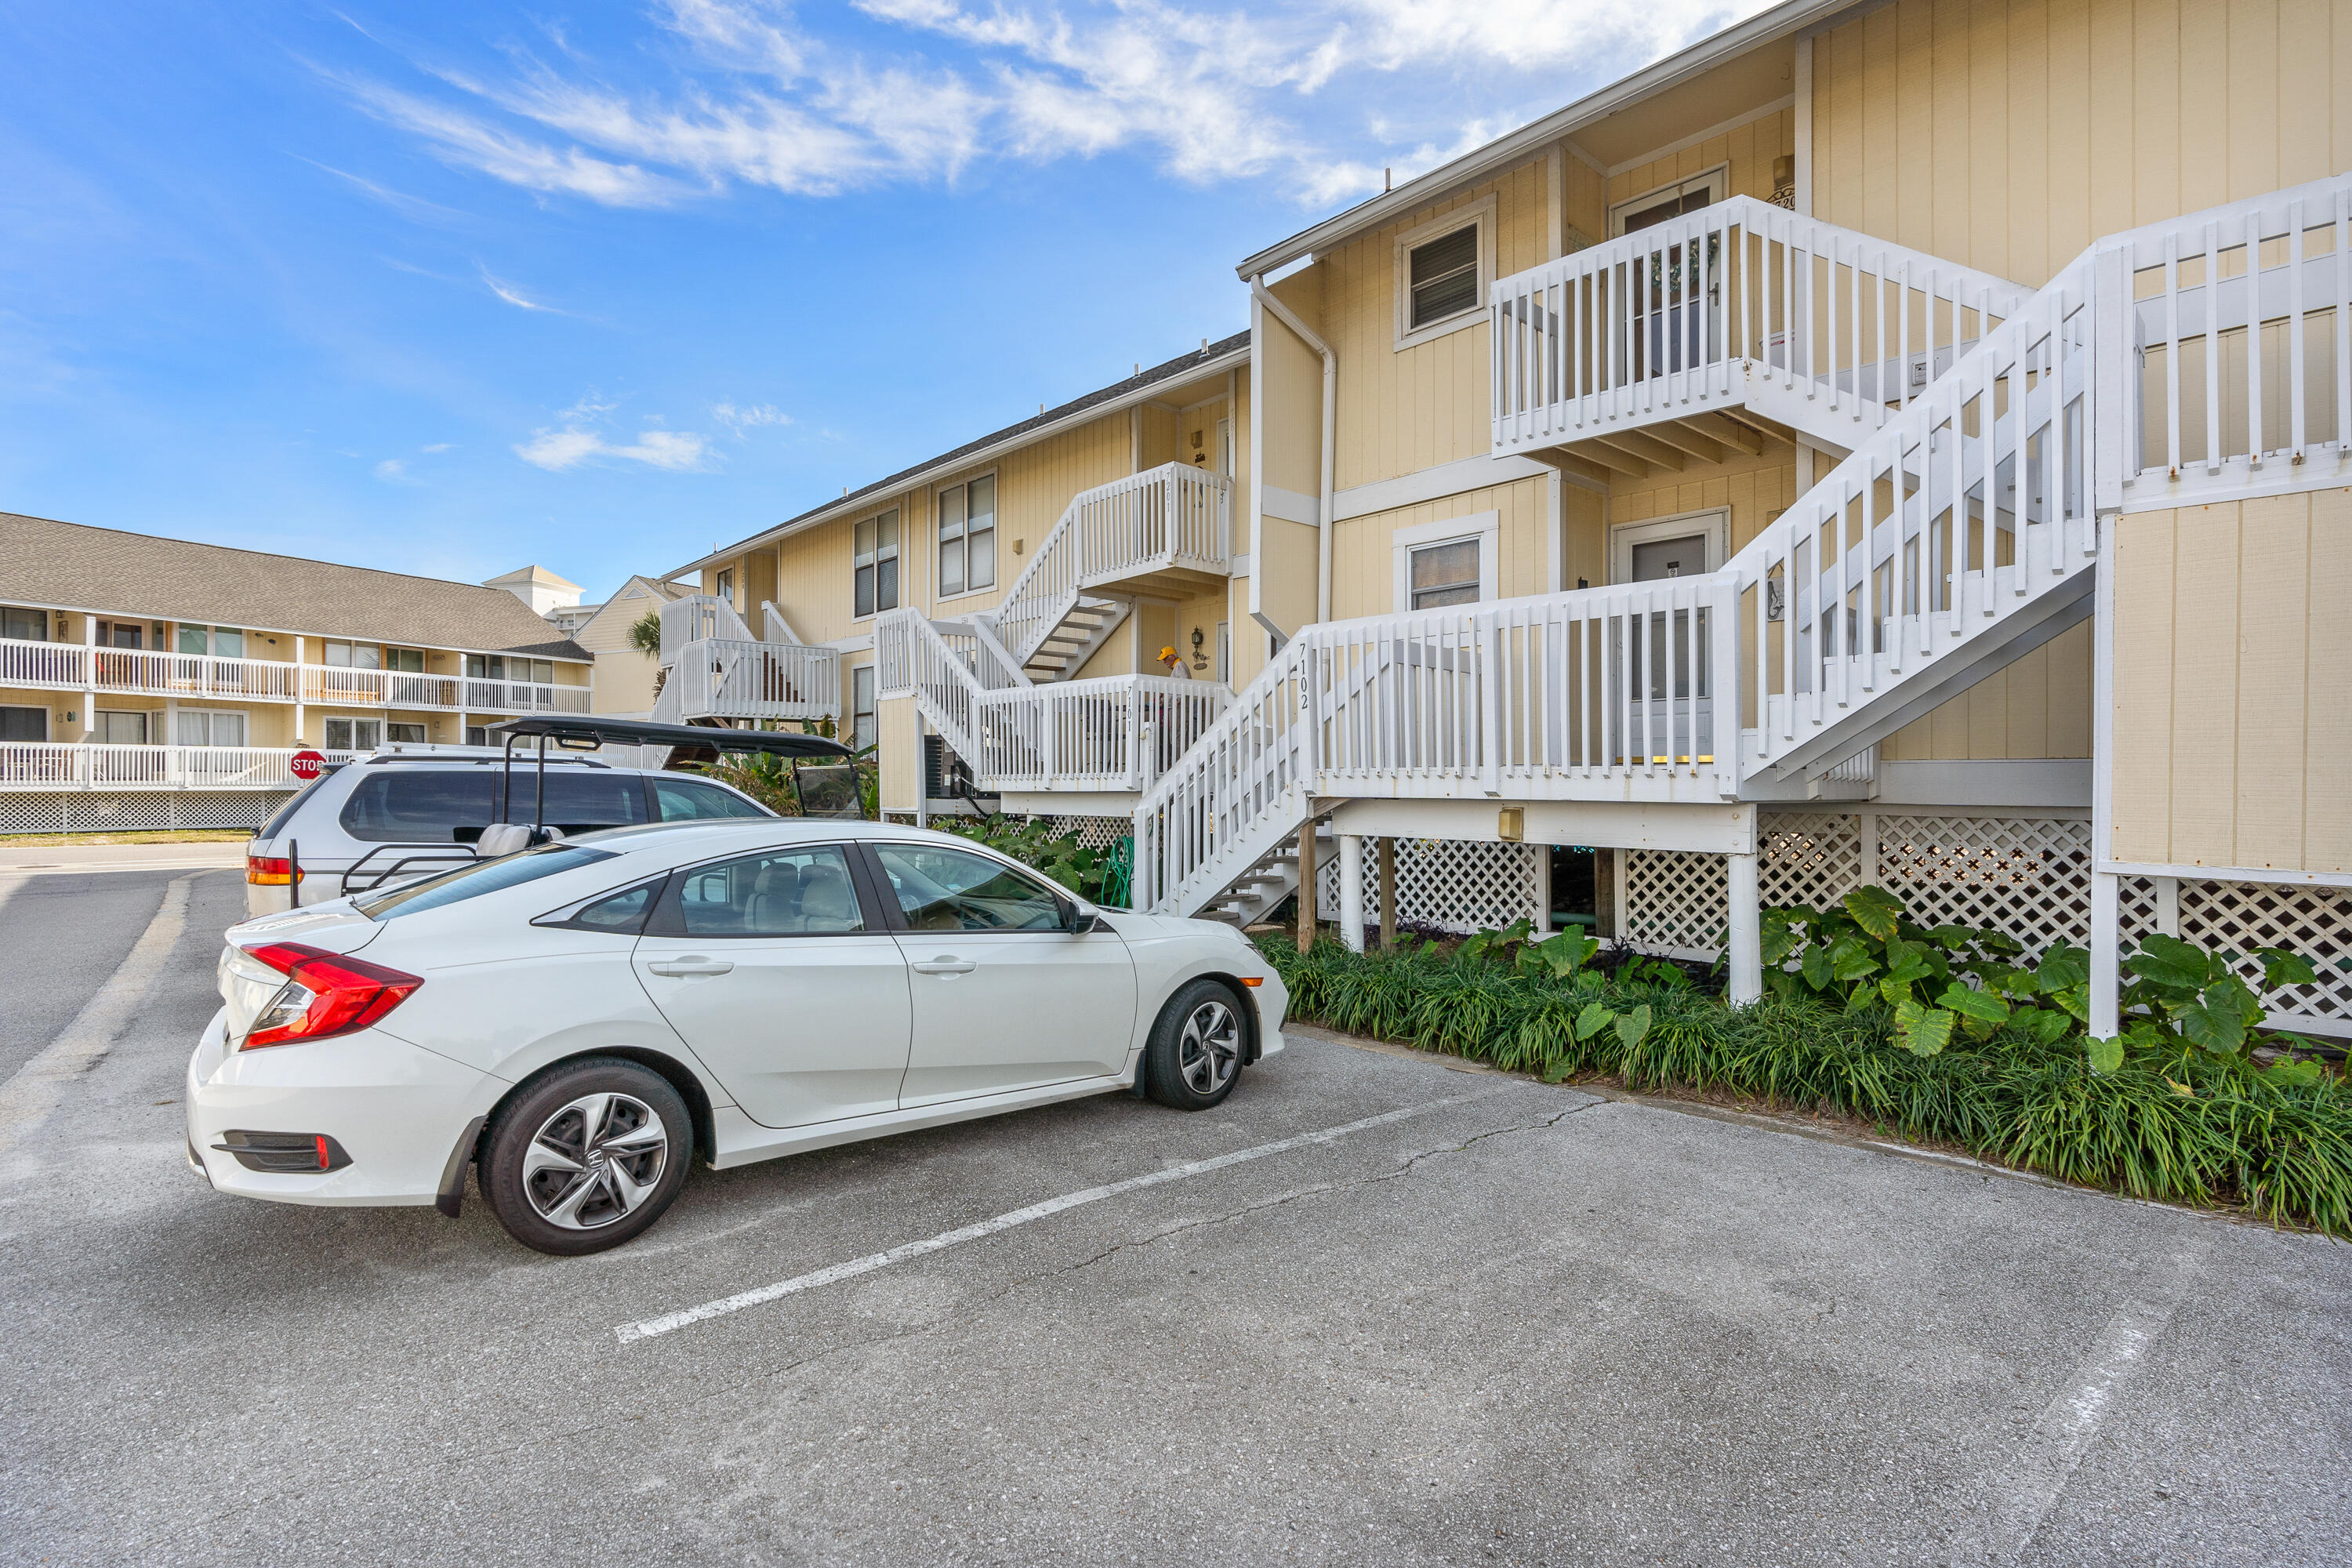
(670, 1322)
(35, 1089)
(2018, 1497)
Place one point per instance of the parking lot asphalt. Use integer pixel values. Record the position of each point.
(1515, 1324)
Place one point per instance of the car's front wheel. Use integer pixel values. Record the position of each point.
(587, 1156)
(1195, 1053)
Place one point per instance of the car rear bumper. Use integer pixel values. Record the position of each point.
(396, 1109)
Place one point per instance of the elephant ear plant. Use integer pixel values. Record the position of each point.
(2180, 992)
(1935, 981)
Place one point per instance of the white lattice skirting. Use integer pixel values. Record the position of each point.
(2238, 917)
(1449, 884)
(98, 812)
(2027, 878)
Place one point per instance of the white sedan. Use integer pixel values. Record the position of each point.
(581, 1019)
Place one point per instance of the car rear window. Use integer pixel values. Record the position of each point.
(277, 825)
(447, 805)
(473, 881)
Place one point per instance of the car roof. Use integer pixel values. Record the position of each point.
(717, 835)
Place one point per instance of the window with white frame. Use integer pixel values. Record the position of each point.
(1442, 270)
(208, 727)
(221, 642)
(354, 734)
(24, 625)
(411, 659)
(722, 585)
(1669, 200)
(24, 723)
(862, 727)
(497, 667)
(1450, 561)
(352, 655)
(968, 537)
(874, 565)
(119, 727)
(414, 732)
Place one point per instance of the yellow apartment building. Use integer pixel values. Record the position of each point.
(1902, 443)
(150, 683)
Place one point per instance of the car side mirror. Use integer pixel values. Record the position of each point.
(1079, 917)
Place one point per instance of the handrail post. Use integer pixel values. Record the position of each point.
(1489, 641)
(1723, 650)
(2111, 384)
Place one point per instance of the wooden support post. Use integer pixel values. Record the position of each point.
(1746, 947)
(1306, 916)
(1351, 891)
(1388, 892)
(1604, 893)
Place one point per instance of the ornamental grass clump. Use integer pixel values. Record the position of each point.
(2176, 1108)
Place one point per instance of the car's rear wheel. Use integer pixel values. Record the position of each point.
(587, 1156)
(1195, 1057)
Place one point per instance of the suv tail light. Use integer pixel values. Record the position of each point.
(325, 994)
(269, 870)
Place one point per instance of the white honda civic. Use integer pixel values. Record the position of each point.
(582, 1018)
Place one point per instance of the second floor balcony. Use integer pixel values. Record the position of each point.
(728, 678)
(78, 667)
(1701, 337)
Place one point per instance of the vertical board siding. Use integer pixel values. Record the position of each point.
(1749, 150)
(1757, 489)
(2039, 705)
(2008, 134)
(1363, 552)
(2234, 634)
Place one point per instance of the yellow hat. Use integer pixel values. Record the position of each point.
(1166, 654)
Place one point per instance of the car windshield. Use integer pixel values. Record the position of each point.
(482, 877)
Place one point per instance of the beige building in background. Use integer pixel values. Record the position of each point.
(156, 683)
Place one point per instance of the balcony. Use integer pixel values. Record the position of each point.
(1118, 733)
(76, 667)
(1704, 337)
(727, 677)
(47, 766)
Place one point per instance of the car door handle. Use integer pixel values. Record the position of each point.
(693, 965)
(945, 963)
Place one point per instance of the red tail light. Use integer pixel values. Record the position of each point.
(325, 994)
(269, 870)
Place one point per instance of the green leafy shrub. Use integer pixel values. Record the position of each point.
(2170, 1118)
(1035, 844)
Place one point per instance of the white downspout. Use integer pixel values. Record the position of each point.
(1259, 292)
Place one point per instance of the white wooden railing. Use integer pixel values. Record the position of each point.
(1171, 516)
(1703, 309)
(2240, 322)
(45, 765)
(1969, 507)
(947, 666)
(729, 680)
(700, 617)
(79, 667)
(1602, 692)
(1120, 732)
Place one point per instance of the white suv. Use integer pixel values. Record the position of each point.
(397, 815)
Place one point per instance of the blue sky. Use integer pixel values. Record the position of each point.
(451, 287)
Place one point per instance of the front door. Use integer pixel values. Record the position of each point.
(772, 969)
(1005, 998)
(1669, 719)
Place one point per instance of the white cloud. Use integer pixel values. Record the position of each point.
(440, 445)
(762, 100)
(741, 419)
(574, 440)
(515, 296)
(391, 469)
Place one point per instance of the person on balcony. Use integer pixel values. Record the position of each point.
(1173, 663)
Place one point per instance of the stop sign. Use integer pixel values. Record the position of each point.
(307, 765)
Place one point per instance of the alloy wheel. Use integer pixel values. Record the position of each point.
(1211, 1047)
(596, 1161)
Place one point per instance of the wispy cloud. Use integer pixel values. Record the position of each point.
(749, 419)
(391, 470)
(515, 296)
(762, 100)
(574, 438)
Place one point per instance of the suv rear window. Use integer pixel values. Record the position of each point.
(684, 800)
(447, 805)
